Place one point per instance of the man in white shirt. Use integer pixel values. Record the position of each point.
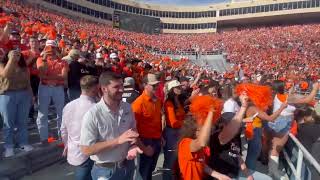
(72, 117)
(108, 132)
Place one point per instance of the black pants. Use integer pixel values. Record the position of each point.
(34, 81)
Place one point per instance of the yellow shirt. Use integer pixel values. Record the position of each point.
(257, 123)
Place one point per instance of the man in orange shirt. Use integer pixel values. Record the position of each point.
(52, 72)
(147, 110)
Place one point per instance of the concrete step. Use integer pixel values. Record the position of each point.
(24, 163)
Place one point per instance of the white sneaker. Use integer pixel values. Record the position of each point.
(8, 152)
(26, 148)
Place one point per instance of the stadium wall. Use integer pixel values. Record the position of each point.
(199, 19)
(69, 12)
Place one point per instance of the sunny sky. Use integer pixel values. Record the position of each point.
(183, 2)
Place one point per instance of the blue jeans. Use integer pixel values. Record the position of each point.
(171, 136)
(116, 173)
(14, 109)
(83, 171)
(281, 125)
(45, 94)
(148, 164)
(254, 148)
(73, 94)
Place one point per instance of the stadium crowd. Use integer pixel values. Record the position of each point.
(116, 100)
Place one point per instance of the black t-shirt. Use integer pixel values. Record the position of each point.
(225, 158)
(130, 95)
(76, 72)
(308, 134)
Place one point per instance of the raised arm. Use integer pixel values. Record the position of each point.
(196, 80)
(264, 116)
(204, 134)
(6, 70)
(307, 99)
(229, 131)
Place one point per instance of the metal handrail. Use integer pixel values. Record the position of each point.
(306, 153)
(303, 153)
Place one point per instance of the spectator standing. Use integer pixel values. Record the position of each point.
(174, 115)
(15, 100)
(31, 56)
(108, 132)
(77, 69)
(53, 72)
(147, 110)
(72, 118)
(130, 94)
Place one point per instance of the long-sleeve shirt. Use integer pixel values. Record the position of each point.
(72, 117)
(174, 117)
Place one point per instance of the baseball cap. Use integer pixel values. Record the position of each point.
(173, 84)
(51, 43)
(113, 55)
(152, 79)
(128, 81)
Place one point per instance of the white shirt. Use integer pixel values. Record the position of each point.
(72, 117)
(101, 124)
(230, 106)
(288, 111)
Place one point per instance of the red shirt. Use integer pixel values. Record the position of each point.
(33, 66)
(55, 67)
(160, 92)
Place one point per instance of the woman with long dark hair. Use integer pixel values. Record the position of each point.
(278, 131)
(15, 100)
(174, 115)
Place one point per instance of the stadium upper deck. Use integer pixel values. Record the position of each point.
(194, 19)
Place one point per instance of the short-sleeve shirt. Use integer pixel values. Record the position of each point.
(55, 67)
(101, 124)
(148, 116)
(76, 72)
(19, 79)
(191, 164)
(225, 158)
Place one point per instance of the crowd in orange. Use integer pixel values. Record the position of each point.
(269, 49)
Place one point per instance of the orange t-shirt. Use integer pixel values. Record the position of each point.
(174, 117)
(148, 116)
(191, 164)
(54, 67)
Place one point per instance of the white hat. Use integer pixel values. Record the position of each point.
(99, 56)
(173, 84)
(128, 81)
(113, 55)
(51, 43)
(152, 79)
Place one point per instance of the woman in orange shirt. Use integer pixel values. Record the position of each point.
(193, 151)
(174, 115)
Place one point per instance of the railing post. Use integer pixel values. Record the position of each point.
(299, 164)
